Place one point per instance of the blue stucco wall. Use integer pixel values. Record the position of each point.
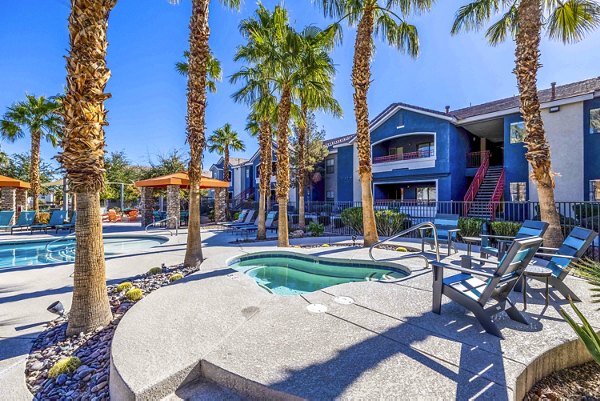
(515, 164)
(345, 173)
(591, 149)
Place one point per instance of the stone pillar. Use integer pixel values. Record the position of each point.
(146, 205)
(20, 202)
(220, 199)
(9, 198)
(173, 205)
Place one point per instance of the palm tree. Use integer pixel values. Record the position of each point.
(83, 157)
(198, 63)
(213, 70)
(40, 117)
(382, 20)
(222, 141)
(567, 21)
(315, 93)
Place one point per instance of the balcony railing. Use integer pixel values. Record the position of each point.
(419, 154)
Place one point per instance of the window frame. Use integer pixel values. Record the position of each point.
(512, 139)
(329, 198)
(430, 145)
(330, 167)
(429, 190)
(593, 130)
(595, 191)
(520, 185)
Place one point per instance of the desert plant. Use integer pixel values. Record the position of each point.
(175, 277)
(134, 294)
(470, 227)
(124, 286)
(155, 270)
(590, 271)
(43, 218)
(506, 228)
(65, 365)
(316, 229)
(401, 249)
(352, 218)
(325, 245)
(389, 222)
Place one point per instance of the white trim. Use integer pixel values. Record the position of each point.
(406, 134)
(393, 111)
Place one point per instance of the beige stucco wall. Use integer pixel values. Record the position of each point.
(564, 131)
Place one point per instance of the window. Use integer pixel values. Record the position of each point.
(330, 166)
(426, 149)
(399, 151)
(426, 194)
(400, 120)
(247, 173)
(595, 190)
(595, 121)
(517, 132)
(518, 191)
(329, 197)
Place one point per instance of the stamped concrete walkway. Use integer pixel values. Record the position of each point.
(217, 335)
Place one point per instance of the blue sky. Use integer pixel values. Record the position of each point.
(147, 110)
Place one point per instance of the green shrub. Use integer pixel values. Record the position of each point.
(401, 249)
(316, 229)
(470, 227)
(389, 222)
(155, 270)
(236, 215)
(134, 294)
(65, 365)
(325, 245)
(507, 228)
(124, 286)
(211, 214)
(352, 218)
(175, 277)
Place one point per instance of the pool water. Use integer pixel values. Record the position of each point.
(293, 274)
(30, 253)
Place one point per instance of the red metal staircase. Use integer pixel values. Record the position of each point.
(484, 193)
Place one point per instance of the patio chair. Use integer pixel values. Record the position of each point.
(270, 219)
(474, 289)
(25, 220)
(446, 226)
(240, 218)
(530, 228)
(57, 218)
(113, 216)
(247, 221)
(68, 226)
(5, 218)
(571, 250)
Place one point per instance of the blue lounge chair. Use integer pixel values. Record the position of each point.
(6, 217)
(57, 218)
(530, 228)
(24, 221)
(247, 221)
(475, 289)
(571, 250)
(270, 219)
(68, 226)
(240, 219)
(446, 226)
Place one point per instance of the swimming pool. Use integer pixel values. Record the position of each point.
(42, 252)
(290, 273)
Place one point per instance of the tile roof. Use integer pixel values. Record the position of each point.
(545, 95)
(339, 140)
(234, 161)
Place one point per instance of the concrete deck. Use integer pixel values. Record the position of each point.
(218, 329)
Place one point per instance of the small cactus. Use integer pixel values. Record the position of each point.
(401, 249)
(155, 270)
(325, 245)
(65, 365)
(124, 286)
(175, 277)
(134, 294)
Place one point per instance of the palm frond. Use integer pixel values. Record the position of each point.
(569, 21)
(410, 6)
(401, 35)
(496, 33)
(472, 16)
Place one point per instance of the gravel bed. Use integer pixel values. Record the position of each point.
(577, 383)
(90, 380)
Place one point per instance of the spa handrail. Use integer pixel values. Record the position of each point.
(58, 239)
(162, 221)
(419, 226)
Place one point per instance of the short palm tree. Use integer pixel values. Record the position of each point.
(222, 141)
(315, 93)
(198, 63)
(83, 157)
(386, 20)
(40, 117)
(213, 70)
(567, 21)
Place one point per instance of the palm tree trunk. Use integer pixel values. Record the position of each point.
(226, 178)
(527, 54)
(83, 157)
(301, 166)
(264, 138)
(34, 169)
(283, 165)
(361, 77)
(196, 108)
(269, 142)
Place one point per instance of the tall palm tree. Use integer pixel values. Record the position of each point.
(213, 70)
(315, 93)
(198, 63)
(222, 141)
(567, 21)
(83, 157)
(372, 17)
(40, 117)
(273, 53)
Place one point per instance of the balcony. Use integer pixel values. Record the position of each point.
(405, 152)
(420, 154)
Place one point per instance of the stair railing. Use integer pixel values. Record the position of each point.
(477, 180)
(496, 196)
